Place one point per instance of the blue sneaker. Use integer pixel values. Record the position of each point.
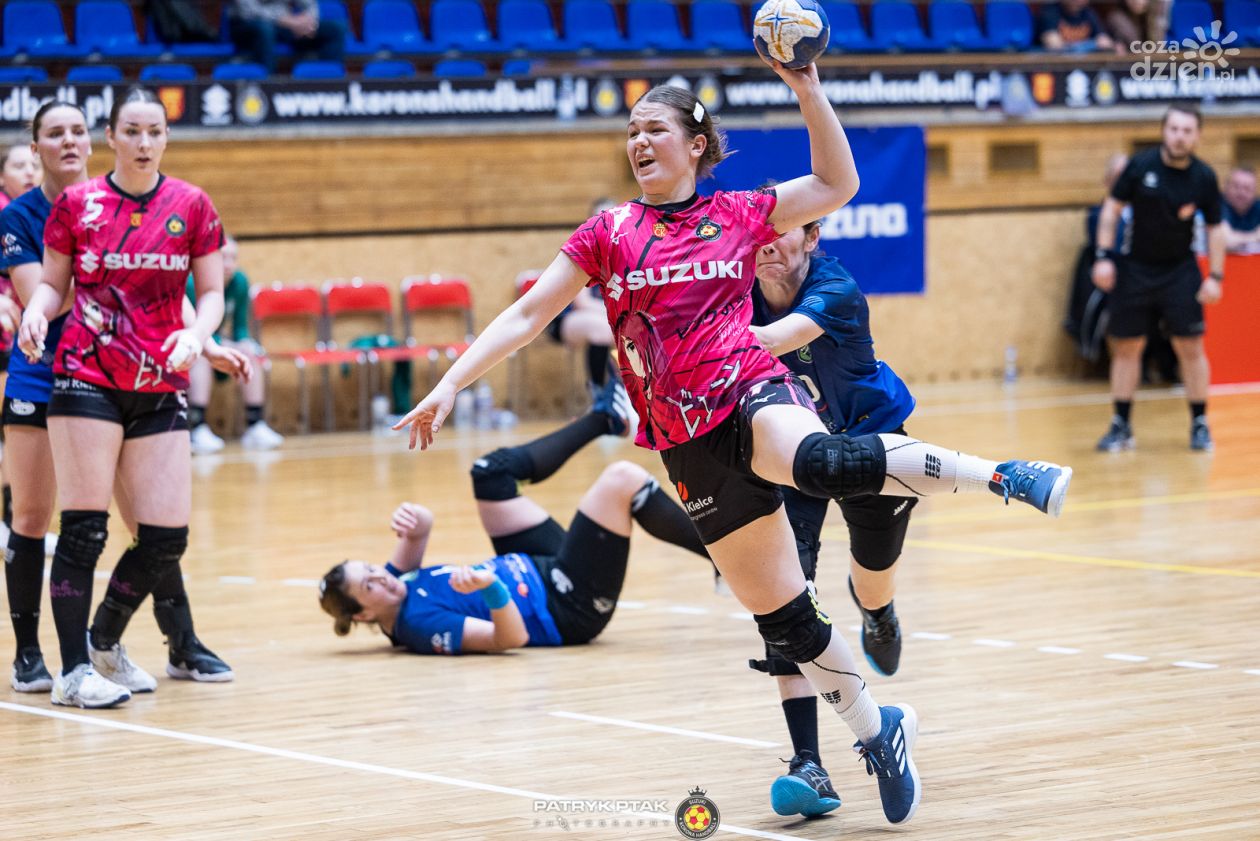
(613, 402)
(1041, 484)
(888, 760)
(804, 790)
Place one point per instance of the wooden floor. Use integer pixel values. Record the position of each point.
(1094, 677)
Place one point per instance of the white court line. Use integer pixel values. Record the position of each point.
(994, 643)
(1058, 649)
(687, 610)
(628, 605)
(855, 628)
(236, 579)
(315, 759)
(742, 615)
(657, 728)
(1126, 658)
(1195, 664)
(300, 582)
(928, 635)
(1251, 671)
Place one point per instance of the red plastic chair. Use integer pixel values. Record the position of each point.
(432, 295)
(520, 375)
(301, 303)
(359, 297)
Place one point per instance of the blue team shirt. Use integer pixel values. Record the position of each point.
(854, 392)
(431, 617)
(1242, 222)
(21, 242)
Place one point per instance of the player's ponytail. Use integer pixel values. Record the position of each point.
(696, 119)
(135, 93)
(335, 602)
(38, 120)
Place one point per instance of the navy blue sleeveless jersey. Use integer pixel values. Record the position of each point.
(22, 241)
(854, 392)
(431, 617)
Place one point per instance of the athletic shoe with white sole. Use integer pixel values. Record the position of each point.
(259, 436)
(1041, 484)
(113, 664)
(1201, 436)
(204, 441)
(29, 672)
(191, 660)
(83, 687)
(804, 790)
(1118, 439)
(888, 760)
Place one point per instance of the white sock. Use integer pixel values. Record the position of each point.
(834, 676)
(915, 468)
(863, 717)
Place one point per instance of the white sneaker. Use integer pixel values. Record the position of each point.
(114, 665)
(261, 437)
(205, 441)
(84, 688)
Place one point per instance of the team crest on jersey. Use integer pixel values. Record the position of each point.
(137, 219)
(708, 230)
(175, 225)
(659, 230)
(805, 354)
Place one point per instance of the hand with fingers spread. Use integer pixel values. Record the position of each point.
(427, 417)
(184, 347)
(229, 361)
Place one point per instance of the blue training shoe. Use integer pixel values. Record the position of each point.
(888, 760)
(613, 402)
(1041, 484)
(804, 790)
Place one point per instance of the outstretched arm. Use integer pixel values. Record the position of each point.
(509, 332)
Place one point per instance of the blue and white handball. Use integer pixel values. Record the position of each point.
(792, 32)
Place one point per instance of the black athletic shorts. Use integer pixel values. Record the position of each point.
(713, 473)
(583, 570)
(139, 413)
(1145, 295)
(24, 413)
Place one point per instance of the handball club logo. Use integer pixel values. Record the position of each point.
(175, 226)
(659, 230)
(697, 816)
(708, 229)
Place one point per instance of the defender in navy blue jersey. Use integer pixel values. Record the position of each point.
(809, 312)
(545, 586)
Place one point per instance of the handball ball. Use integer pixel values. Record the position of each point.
(792, 32)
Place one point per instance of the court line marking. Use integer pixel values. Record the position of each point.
(236, 579)
(687, 610)
(630, 605)
(1126, 658)
(1087, 560)
(988, 643)
(928, 635)
(300, 582)
(658, 728)
(1195, 664)
(1251, 671)
(316, 759)
(1058, 649)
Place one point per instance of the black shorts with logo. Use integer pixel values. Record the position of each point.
(582, 568)
(24, 413)
(139, 413)
(713, 473)
(1146, 294)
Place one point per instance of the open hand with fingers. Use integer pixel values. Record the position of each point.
(427, 417)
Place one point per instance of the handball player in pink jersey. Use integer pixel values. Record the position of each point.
(676, 270)
(117, 409)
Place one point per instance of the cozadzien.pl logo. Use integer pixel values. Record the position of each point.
(1205, 56)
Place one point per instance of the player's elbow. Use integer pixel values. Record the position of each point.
(506, 640)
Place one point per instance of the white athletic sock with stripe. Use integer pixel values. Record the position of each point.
(834, 676)
(915, 468)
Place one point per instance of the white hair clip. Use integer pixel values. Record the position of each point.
(697, 113)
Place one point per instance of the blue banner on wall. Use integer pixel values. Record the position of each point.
(879, 235)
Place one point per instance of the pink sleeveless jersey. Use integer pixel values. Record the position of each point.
(677, 285)
(131, 257)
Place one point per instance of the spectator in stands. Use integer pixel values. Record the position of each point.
(233, 333)
(1072, 26)
(1241, 210)
(1128, 22)
(19, 171)
(258, 25)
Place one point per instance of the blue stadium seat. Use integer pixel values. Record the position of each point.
(105, 74)
(895, 26)
(719, 25)
(654, 25)
(954, 26)
(389, 69)
(1010, 25)
(221, 48)
(168, 73)
(1186, 16)
(463, 67)
(461, 25)
(239, 72)
(518, 67)
(34, 27)
(393, 26)
(1243, 17)
(106, 26)
(22, 74)
(336, 11)
(848, 33)
(319, 70)
(526, 25)
(592, 25)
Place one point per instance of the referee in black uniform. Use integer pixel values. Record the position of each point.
(1155, 274)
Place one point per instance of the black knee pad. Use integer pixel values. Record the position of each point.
(799, 630)
(495, 475)
(836, 466)
(878, 549)
(82, 537)
(159, 548)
